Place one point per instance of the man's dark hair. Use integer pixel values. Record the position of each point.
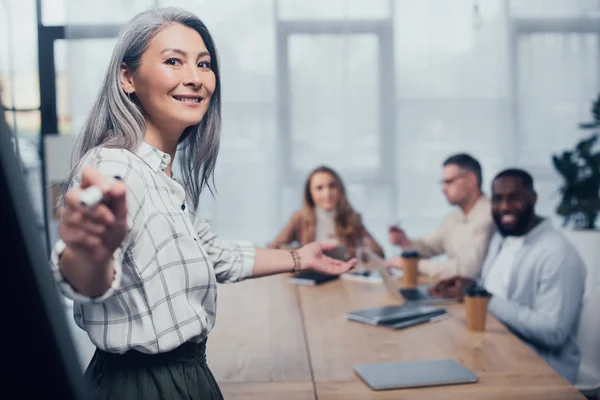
(466, 162)
(518, 173)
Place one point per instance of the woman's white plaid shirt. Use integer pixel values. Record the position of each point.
(164, 293)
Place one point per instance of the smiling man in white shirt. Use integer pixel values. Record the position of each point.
(535, 276)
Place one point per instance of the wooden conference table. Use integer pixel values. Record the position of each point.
(275, 340)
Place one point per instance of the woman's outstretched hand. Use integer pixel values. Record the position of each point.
(313, 258)
(94, 233)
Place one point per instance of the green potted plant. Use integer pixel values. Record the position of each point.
(580, 208)
(580, 170)
(580, 201)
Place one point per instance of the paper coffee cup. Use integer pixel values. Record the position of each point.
(476, 303)
(410, 267)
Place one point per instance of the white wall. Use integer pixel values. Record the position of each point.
(461, 83)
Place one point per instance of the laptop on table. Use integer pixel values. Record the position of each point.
(407, 313)
(416, 296)
(411, 374)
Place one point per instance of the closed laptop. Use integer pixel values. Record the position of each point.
(376, 315)
(399, 375)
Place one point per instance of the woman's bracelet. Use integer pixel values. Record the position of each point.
(296, 259)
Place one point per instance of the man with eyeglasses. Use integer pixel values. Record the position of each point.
(464, 235)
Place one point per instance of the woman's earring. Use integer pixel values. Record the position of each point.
(129, 95)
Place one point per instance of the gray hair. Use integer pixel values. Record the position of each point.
(116, 121)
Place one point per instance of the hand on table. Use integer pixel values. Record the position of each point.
(452, 288)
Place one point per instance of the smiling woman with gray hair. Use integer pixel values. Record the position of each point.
(140, 266)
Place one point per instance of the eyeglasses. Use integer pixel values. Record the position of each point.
(450, 181)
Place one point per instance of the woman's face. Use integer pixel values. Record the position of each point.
(325, 190)
(174, 82)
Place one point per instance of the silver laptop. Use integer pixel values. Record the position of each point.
(400, 375)
(410, 296)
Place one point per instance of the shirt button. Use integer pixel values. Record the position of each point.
(183, 206)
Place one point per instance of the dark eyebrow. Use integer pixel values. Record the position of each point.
(178, 51)
(183, 53)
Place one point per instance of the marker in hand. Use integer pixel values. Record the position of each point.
(93, 195)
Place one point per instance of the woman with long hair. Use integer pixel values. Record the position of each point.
(138, 262)
(326, 216)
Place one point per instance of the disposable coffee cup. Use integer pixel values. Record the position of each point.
(410, 266)
(476, 302)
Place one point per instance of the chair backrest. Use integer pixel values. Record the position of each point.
(588, 340)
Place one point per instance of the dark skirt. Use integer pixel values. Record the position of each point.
(179, 374)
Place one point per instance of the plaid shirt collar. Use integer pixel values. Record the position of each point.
(156, 159)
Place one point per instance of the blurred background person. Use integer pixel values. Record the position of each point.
(326, 216)
(464, 235)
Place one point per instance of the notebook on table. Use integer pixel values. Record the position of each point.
(403, 315)
(370, 275)
(363, 276)
(397, 317)
(311, 278)
(401, 375)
